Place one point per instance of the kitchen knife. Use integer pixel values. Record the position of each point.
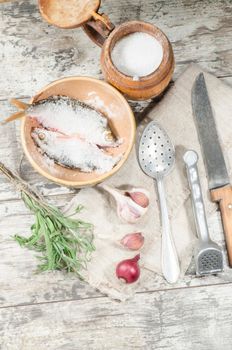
(218, 178)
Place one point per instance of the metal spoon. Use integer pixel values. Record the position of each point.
(156, 158)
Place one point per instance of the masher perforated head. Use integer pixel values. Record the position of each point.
(156, 152)
(209, 259)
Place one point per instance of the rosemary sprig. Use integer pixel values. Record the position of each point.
(63, 243)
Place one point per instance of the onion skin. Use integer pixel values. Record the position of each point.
(129, 270)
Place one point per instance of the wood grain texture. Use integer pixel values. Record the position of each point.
(61, 312)
(149, 87)
(223, 196)
(33, 53)
(193, 318)
(18, 265)
(68, 14)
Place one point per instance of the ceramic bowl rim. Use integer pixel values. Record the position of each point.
(100, 178)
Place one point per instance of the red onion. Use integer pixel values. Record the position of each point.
(129, 269)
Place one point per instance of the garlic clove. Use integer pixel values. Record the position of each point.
(127, 209)
(133, 241)
(139, 196)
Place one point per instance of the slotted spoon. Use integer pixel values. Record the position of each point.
(156, 158)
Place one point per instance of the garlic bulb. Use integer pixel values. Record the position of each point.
(131, 204)
(133, 241)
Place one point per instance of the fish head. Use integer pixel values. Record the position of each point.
(42, 136)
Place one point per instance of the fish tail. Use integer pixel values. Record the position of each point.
(19, 104)
(13, 117)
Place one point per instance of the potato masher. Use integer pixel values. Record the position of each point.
(208, 254)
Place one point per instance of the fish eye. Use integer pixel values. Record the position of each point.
(41, 136)
(109, 136)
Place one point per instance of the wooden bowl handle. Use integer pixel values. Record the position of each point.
(98, 28)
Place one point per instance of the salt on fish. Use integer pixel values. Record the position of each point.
(73, 152)
(72, 117)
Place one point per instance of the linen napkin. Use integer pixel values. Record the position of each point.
(174, 114)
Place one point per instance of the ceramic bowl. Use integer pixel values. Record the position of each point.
(102, 97)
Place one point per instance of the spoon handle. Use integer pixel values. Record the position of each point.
(170, 262)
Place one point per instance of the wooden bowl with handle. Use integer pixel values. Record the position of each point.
(76, 13)
(104, 98)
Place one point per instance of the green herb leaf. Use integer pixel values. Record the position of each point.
(65, 243)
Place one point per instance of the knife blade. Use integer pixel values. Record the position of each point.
(208, 136)
(218, 178)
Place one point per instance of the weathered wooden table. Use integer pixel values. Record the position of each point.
(56, 311)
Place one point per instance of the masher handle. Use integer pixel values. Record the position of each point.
(170, 262)
(191, 159)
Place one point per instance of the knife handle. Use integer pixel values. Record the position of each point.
(223, 196)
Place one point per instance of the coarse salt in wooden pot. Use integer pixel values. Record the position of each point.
(75, 13)
(150, 85)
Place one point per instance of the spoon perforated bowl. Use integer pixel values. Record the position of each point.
(156, 157)
(156, 152)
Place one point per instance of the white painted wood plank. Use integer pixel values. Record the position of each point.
(32, 53)
(19, 281)
(12, 155)
(18, 265)
(187, 319)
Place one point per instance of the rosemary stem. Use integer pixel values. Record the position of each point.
(64, 242)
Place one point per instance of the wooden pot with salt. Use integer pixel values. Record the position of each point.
(137, 57)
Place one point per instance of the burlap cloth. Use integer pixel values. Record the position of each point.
(174, 113)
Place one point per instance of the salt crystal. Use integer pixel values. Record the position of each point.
(71, 117)
(73, 152)
(137, 55)
(135, 78)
